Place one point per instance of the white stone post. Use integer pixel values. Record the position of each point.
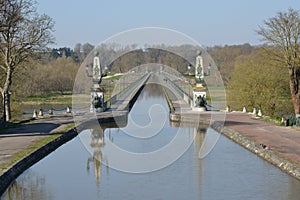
(227, 108)
(68, 109)
(259, 113)
(282, 120)
(244, 110)
(34, 114)
(50, 112)
(41, 114)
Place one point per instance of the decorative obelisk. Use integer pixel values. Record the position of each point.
(199, 92)
(199, 68)
(97, 93)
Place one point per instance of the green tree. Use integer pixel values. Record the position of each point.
(226, 56)
(282, 32)
(23, 32)
(260, 83)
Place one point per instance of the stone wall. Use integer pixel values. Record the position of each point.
(267, 154)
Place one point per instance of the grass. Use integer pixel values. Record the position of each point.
(274, 120)
(19, 155)
(38, 144)
(50, 99)
(216, 88)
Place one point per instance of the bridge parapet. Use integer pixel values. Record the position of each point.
(126, 89)
(179, 84)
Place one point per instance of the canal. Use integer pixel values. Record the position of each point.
(228, 172)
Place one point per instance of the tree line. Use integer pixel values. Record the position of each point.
(265, 77)
(250, 79)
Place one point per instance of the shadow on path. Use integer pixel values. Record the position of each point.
(30, 130)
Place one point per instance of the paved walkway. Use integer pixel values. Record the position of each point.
(18, 139)
(283, 140)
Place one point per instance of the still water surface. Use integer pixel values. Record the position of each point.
(228, 172)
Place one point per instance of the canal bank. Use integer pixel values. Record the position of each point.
(244, 129)
(27, 144)
(278, 145)
(18, 146)
(259, 147)
(229, 172)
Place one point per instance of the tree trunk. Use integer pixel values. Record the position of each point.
(295, 90)
(6, 94)
(296, 103)
(7, 110)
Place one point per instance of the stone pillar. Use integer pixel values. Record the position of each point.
(97, 101)
(199, 101)
(254, 111)
(244, 110)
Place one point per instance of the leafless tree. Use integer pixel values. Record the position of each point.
(23, 32)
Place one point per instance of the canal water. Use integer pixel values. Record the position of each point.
(228, 172)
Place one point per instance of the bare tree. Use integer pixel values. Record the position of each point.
(282, 33)
(87, 48)
(23, 32)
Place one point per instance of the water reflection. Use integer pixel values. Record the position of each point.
(29, 186)
(228, 172)
(97, 142)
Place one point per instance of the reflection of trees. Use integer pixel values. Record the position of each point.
(97, 142)
(28, 186)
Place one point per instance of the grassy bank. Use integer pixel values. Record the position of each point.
(33, 147)
(19, 155)
(52, 98)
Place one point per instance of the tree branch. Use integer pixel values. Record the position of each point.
(2, 67)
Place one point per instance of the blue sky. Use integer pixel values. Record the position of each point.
(210, 22)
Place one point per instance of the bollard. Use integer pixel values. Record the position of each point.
(287, 122)
(254, 111)
(41, 113)
(228, 109)
(50, 111)
(259, 113)
(297, 119)
(34, 114)
(68, 109)
(282, 120)
(244, 110)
